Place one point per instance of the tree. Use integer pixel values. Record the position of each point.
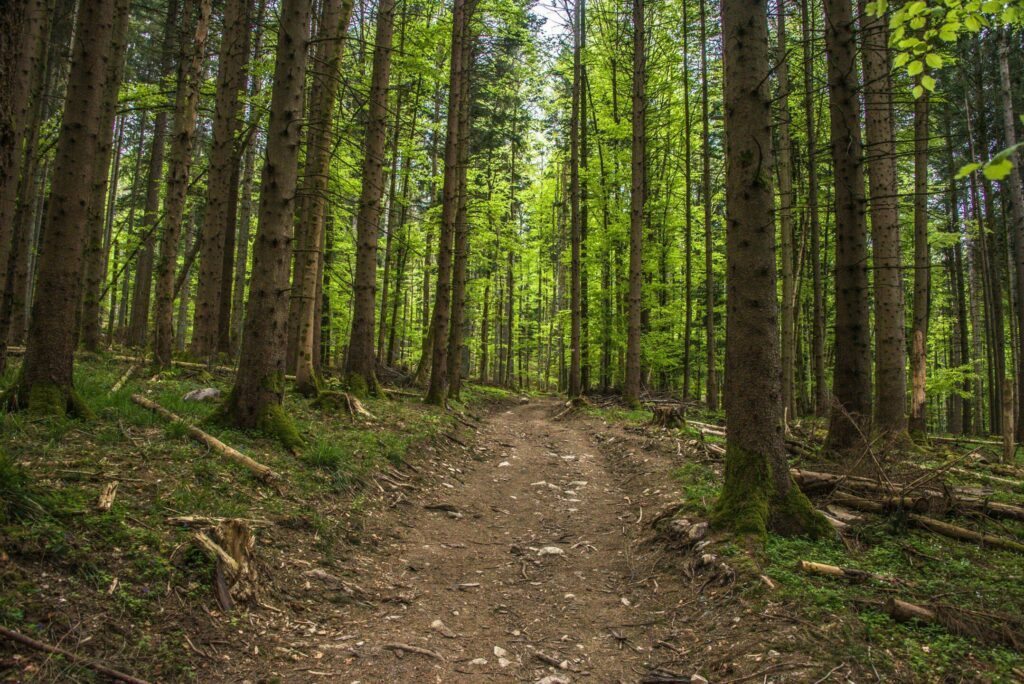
(922, 273)
(851, 377)
(638, 190)
(222, 185)
(709, 272)
(785, 166)
(256, 397)
(758, 494)
(45, 382)
(575, 304)
(890, 340)
(312, 216)
(183, 130)
(361, 363)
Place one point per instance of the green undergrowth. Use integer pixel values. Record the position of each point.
(931, 570)
(129, 563)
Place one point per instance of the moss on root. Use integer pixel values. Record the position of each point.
(274, 421)
(46, 400)
(362, 387)
(749, 506)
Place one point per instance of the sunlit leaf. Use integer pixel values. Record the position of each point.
(998, 169)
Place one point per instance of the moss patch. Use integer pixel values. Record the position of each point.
(274, 422)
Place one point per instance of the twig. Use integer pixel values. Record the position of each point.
(395, 646)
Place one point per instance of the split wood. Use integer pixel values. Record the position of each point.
(261, 471)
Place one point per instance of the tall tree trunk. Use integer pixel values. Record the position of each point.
(361, 364)
(851, 378)
(460, 251)
(709, 273)
(185, 291)
(22, 49)
(138, 324)
(890, 339)
(638, 192)
(218, 220)
(438, 384)
(785, 166)
(758, 493)
(183, 132)
(575, 309)
(688, 230)
(45, 384)
(333, 25)
(922, 272)
(1016, 222)
(95, 252)
(255, 399)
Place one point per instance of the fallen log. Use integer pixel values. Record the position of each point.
(988, 477)
(814, 568)
(990, 628)
(261, 471)
(123, 379)
(932, 525)
(76, 659)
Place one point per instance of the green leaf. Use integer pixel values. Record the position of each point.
(933, 60)
(915, 67)
(928, 82)
(998, 169)
(901, 59)
(918, 91)
(968, 169)
(972, 24)
(947, 36)
(992, 6)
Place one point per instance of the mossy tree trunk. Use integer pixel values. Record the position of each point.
(255, 400)
(183, 132)
(758, 494)
(312, 216)
(222, 186)
(45, 385)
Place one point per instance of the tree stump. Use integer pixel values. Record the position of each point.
(670, 416)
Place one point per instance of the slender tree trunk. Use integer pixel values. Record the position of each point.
(709, 273)
(785, 166)
(45, 384)
(890, 340)
(218, 220)
(185, 291)
(922, 272)
(688, 229)
(333, 26)
(575, 309)
(183, 130)
(638, 192)
(851, 381)
(1016, 197)
(758, 493)
(361, 364)
(437, 388)
(255, 399)
(95, 254)
(461, 239)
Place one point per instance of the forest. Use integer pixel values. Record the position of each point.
(511, 340)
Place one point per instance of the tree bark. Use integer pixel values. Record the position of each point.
(638, 192)
(361, 364)
(575, 287)
(758, 493)
(255, 399)
(183, 130)
(333, 25)
(890, 339)
(922, 272)
(851, 380)
(45, 383)
(786, 197)
(218, 220)
(709, 272)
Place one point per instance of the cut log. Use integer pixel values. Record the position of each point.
(986, 477)
(902, 611)
(261, 471)
(106, 498)
(813, 568)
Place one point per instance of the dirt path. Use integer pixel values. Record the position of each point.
(531, 567)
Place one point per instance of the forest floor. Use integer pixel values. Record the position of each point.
(504, 540)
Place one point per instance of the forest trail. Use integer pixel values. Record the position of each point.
(534, 566)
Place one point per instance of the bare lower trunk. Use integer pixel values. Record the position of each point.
(785, 167)
(255, 399)
(638, 197)
(851, 378)
(45, 383)
(218, 219)
(183, 130)
(360, 367)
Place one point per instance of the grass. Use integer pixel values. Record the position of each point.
(935, 570)
(128, 565)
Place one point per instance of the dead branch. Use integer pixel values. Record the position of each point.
(76, 659)
(261, 471)
(414, 649)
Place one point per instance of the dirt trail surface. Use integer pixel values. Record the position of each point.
(525, 558)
